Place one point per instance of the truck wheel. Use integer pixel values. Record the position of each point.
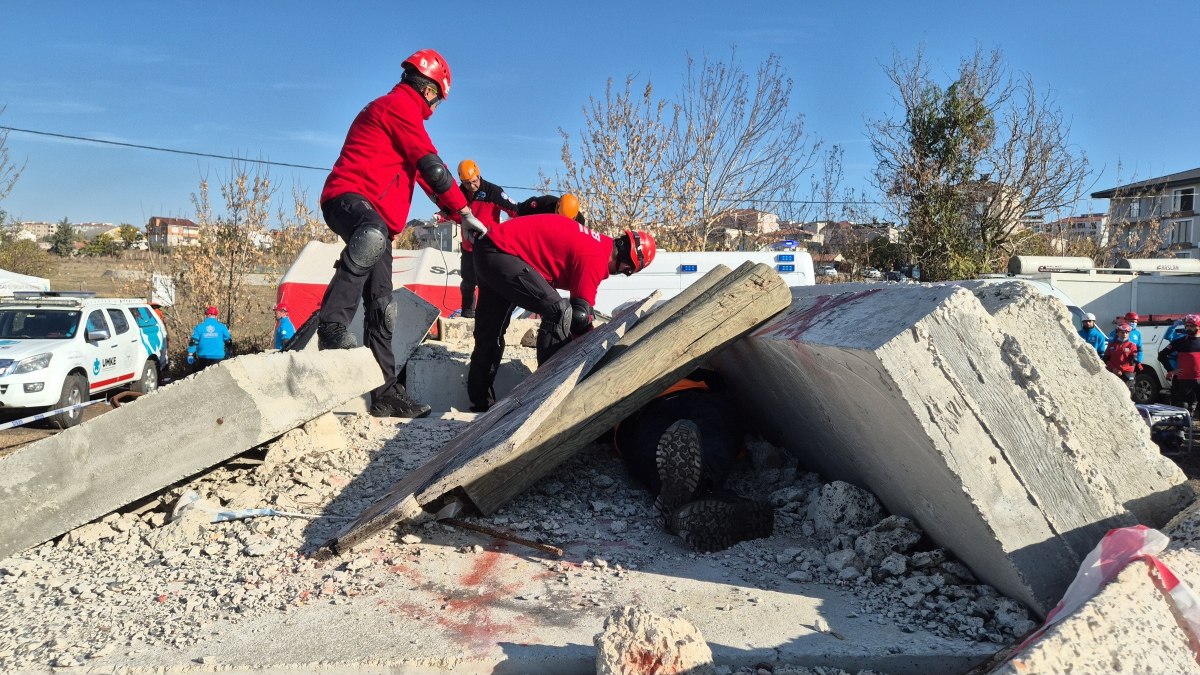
(1145, 387)
(74, 391)
(149, 380)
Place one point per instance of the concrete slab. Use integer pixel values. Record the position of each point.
(56, 484)
(520, 333)
(437, 374)
(919, 394)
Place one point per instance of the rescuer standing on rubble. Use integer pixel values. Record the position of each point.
(487, 202)
(366, 201)
(1185, 387)
(520, 263)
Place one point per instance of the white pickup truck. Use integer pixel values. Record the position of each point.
(58, 350)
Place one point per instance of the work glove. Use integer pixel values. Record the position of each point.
(191, 359)
(1140, 367)
(472, 224)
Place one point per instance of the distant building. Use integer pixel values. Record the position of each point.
(1166, 203)
(1087, 226)
(172, 232)
(39, 229)
(750, 221)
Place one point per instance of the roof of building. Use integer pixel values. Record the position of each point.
(1153, 184)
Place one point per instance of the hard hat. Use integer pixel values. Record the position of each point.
(211, 311)
(468, 169)
(429, 63)
(280, 308)
(1191, 320)
(1125, 327)
(1089, 317)
(1132, 316)
(567, 206)
(641, 248)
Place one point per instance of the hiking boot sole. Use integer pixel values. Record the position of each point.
(715, 524)
(678, 461)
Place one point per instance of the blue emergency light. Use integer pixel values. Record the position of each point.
(785, 268)
(688, 268)
(786, 257)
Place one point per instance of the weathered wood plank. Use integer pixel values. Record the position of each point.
(510, 421)
(725, 312)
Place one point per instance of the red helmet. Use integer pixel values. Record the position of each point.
(211, 311)
(641, 248)
(431, 64)
(280, 308)
(1132, 316)
(1124, 327)
(1191, 320)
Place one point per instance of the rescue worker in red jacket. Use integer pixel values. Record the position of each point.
(366, 200)
(487, 201)
(566, 205)
(1185, 377)
(520, 263)
(1121, 356)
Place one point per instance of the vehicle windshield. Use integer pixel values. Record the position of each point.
(38, 324)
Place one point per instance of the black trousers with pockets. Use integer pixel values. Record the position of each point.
(345, 214)
(505, 283)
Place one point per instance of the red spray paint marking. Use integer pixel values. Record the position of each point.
(796, 322)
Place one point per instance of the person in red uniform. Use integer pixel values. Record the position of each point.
(487, 201)
(520, 263)
(1185, 378)
(1121, 356)
(366, 200)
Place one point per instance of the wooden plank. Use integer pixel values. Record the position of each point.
(510, 421)
(733, 307)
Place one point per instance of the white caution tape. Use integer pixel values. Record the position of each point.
(44, 415)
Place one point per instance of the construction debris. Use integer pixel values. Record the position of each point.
(1007, 442)
(635, 642)
(61, 482)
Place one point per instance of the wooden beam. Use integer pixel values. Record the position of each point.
(508, 423)
(729, 309)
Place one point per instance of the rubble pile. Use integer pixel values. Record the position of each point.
(140, 579)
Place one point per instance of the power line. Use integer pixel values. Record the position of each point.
(160, 149)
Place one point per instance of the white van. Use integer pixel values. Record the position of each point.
(58, 350)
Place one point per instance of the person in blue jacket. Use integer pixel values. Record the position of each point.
(1092, 335)
(210, 342)
(284, 330)
(1135, 336)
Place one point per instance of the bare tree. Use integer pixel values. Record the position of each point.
(9, 170)
(726, 141)
(968, 161)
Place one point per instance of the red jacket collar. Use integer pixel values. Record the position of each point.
(426, 111)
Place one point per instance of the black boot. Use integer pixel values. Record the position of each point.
(396, 403)
(678, 459)
(335, 336)
(721, 519)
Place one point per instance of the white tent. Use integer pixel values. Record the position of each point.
(11, 281)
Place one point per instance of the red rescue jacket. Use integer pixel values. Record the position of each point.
(379, 158)
(568, 255)
(1121, 357)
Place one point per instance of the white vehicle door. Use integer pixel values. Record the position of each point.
(101, 351)
(128, 347)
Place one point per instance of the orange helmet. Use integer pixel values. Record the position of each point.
(430, 64)
(641, 248)
(468, 169)
(567, 206)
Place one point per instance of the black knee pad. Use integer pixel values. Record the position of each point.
(581, 316)
(556, 323)
(382, 313)
(366, 246)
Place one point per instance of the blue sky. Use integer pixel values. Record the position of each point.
(282, 81)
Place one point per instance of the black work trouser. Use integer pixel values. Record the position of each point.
(714, 413)
(505, 283)
(344, 215)
(1184, 393)
(466, 269)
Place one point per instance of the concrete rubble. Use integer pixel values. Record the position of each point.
(961, 481)
(437, 369)
(987, 422)
(58, 483)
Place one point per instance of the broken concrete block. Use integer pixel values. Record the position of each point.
(840, 506)
(635, 642)
(894, 534)
(921, 395)
(58, 483)
(460, 331)
(437, 374)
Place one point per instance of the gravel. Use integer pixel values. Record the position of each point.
(141, 578)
